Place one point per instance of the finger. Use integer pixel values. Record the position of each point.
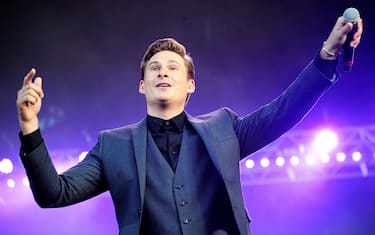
(339, 24)
(340, 21)
(357, 34)
(26, 94)
(32, 99)
(355, 42)
(359, 29)
(29, 77)
(38, 82)
(346, 28)
(34, 88)
(26, 98)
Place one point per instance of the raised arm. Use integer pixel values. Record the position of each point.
(29, 102)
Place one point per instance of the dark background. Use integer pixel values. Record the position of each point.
(245, 52)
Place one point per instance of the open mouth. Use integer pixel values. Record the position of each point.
(163, 85)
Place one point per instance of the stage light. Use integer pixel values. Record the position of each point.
(264, 162)
(340, 157)
(249, 163)
(325, 141)
(294, 160)
(280, 161)
(25, 182)
(364, 169)
(325, 157)
(82, 156)
(310, 159)
(11, 183)
(356, 156)
(6, 166)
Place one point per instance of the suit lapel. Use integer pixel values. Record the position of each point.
(204, 131)
(139, 134)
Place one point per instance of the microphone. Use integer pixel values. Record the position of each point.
(350, 15)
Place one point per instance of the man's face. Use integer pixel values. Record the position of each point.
(165, 80)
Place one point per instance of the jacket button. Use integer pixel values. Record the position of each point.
(186, 221)
(179, 186)
(183, 203)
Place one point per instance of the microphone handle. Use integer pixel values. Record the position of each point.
(348, 56)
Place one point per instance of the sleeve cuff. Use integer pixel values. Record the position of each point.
(327, 67)
(30, 141)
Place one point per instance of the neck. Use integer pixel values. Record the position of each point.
(164, 111)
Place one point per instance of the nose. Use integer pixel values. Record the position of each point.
(163, 73)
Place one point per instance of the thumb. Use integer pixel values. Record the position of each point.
(347, 28)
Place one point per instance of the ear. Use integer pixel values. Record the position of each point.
(141, 87)
(191, 86)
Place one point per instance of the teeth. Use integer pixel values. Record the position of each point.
(163, 85)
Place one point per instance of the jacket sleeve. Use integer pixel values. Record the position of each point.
(79, 183)
(270, 121)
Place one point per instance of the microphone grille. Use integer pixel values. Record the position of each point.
(351, 15)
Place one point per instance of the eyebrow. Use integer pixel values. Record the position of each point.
(157, 62)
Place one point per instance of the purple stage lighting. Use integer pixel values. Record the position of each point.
(340, 157)
(6, 166)
(294, 160)
(356, 156)
(325, 158)
(264, 162)
(325, 141)
(310, 159)
(11, 183)
(249, 163)
(280, 161)
(25, 182)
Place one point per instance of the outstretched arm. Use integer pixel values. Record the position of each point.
(272, 120)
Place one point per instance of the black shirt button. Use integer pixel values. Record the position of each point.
(179, 186)
(183, 203)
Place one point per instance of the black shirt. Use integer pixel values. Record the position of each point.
(167, 135)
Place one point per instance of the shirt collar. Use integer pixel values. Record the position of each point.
(155, 124)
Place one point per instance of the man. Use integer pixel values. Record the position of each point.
(173, 173)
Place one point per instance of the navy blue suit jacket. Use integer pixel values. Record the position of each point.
(118, 161)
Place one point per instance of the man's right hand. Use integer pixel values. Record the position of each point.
(29, 102)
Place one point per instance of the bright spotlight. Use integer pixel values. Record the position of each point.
(82, 156)
(264, 162)
(249, 163)
(294, 161)
(356, 156)
(11, 183)
(340, 157)
(25, 182)
(280, 161)
(325, 157)
(6, 166)
(325, 141)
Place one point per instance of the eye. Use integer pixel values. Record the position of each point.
(173, 67)
(155, 68)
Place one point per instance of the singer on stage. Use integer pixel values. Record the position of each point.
(172, 173)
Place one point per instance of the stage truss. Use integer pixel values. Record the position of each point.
(298, 144)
